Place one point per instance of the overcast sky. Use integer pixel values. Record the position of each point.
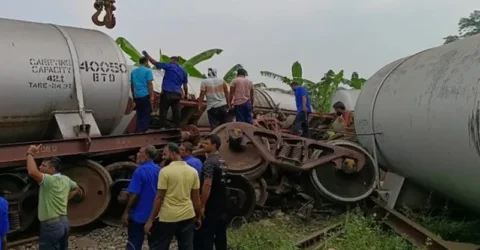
(354, 35)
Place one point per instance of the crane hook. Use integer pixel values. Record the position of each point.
(109, 20)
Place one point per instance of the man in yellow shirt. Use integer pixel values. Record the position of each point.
(176, 204)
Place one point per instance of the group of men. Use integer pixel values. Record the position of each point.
(184, 198)
(219, 96)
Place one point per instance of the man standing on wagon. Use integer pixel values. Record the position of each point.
(304, 108)
(141, 80)
(242, 96)
(173, 79)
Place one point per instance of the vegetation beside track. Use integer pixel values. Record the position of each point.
(449, 224)
(282, 233)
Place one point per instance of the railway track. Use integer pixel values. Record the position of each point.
(18, 243)
(403, 226)
(31, 238)
(318, 239)
(399, 223)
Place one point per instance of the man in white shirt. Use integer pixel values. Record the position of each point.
(216, 91)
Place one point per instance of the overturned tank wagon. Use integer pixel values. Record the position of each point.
(424, 112)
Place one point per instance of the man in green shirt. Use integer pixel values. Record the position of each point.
(55, 191)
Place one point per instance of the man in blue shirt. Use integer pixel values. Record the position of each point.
(142, 191)
(302, 100)
(186, 153)
(174, 78)
(4, 224)
(141, 79)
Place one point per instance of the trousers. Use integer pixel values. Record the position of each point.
(170, 100)
(300, 124)
(144, 113)
(136, 235)
(217, 116)
(212, 233)
(54, 234)
(161, 235)
(243, 112)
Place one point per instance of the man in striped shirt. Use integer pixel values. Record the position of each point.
(216, 91)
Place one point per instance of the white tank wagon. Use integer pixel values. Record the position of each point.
(45, 62)
(427, 108)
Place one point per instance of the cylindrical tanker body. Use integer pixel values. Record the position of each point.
(427, 109)
(46, 66)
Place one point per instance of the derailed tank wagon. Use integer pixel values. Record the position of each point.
(424, 113)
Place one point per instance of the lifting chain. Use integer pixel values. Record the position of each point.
(109, 18)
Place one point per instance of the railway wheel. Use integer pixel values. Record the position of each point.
(345, 185)
(261, 193)
(121, 174)
(23, 204)
(94, 183)
(241, 196)
(247, 161)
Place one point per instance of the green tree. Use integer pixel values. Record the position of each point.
(188, 65)
(297, 74)
(467, 26)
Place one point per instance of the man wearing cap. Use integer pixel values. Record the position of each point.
(173, 79)
(242, 96)
(216, 91)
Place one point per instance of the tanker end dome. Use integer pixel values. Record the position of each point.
(57, 69)
(424, 112)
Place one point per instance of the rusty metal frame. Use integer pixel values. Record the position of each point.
(15, 153)
(330, 153)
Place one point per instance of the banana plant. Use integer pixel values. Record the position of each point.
(296, 75)
(188, 65)
(321, 93)
(355, 81)
(128, 48)
(232, 73)
(263, 86)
